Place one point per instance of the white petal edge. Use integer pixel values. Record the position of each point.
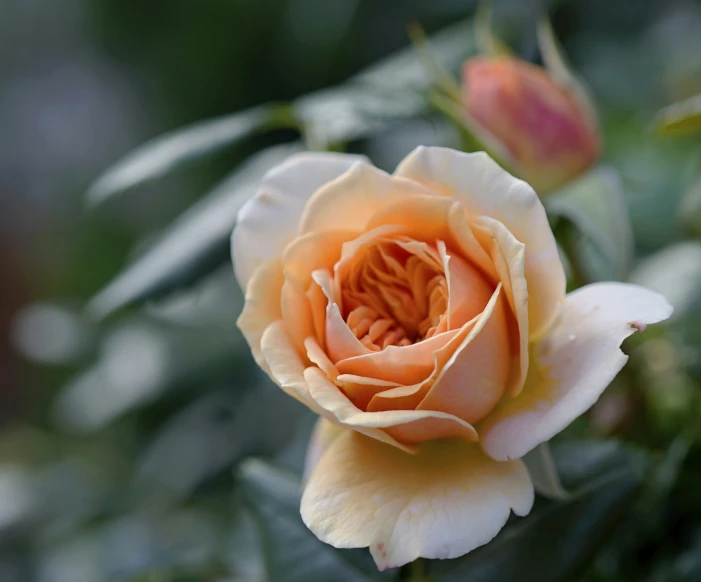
(571, 366)
(486, 189)
(270, 220)
(440, 503)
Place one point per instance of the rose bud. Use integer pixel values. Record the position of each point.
(544, 129)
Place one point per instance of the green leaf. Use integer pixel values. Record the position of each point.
(212, 434)
(293, 553)
(194, 245)
(681, 118)
(405, 69)
(162, 154)
(391, 90)
(596, 204)
(353, 111)
(675, 272)
(245, 555)
(141, 358)
(557, 539)
(543, 472)
(133, 546)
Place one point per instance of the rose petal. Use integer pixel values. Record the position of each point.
(296, 313)
(285, 365)
(571, 366)
(317, 356)
(352, 248)
(424, 216)
(340, 340)
(401, 364)
(261, 306)
(314, 251)
(409, 397)
(486, 189)
(443, 502)
(466, 241)
(398, 427)
(352, 200)
(324, 433)
(508, 256)
(475, 377)
(362, 390)
(269, 221)
(468, 290)
(288, 372)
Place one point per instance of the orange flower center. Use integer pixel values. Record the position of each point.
(396, 293)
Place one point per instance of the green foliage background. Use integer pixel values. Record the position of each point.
(139, 441)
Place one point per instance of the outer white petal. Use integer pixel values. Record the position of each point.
(485, 189)
(443, 502)
(269, 220)
(571, 366)
(324, 433)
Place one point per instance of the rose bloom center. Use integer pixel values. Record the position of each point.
(392, 296)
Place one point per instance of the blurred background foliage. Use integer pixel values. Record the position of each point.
(139, 442)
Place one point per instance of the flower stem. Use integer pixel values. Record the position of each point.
(416, 571)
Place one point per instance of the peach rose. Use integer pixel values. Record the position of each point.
(547, 132)
(423, 316)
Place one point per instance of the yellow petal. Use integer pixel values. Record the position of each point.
(443, 502)
(571, 366)
(485, 189)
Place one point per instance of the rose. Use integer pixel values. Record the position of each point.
(546, 131)
(423, 316)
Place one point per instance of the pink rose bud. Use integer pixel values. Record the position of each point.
(544, 128)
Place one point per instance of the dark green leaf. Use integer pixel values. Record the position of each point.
(194, 245)
(209, 436)
(395, 88)
(245, 555)
(404, 69)
(558, 538)
(543, 472)
(675, 272)
(160, 155)
(139, 360)
(596, 204)
(353, 111)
